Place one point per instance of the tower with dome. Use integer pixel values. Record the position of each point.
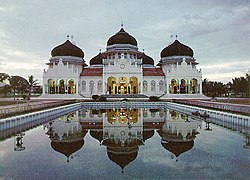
(122, 71)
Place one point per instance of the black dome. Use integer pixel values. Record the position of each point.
(67, 49)
(97, 59)
(177, 49)
(122, 37)
(146, 59)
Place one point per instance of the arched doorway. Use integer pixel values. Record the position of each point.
(51, 86)
(193, 86)
(184, 86)
(133, 85)
(174, 86)
(111, 85)
(61, 86)
(71, 86)
(122, 86)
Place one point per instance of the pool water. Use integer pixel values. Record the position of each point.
(125, 143)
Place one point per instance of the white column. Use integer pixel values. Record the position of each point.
(44, 88)
(201, 87)
(167, 84)
(76, 87)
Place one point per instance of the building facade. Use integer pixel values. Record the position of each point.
(122, 69)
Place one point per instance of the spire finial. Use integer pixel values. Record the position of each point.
(176, 37)
(143, 50)
(122, 24)
(100, 50)
(67, 37)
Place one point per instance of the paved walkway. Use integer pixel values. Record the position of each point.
(33, 105)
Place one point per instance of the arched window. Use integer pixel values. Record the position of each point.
(91, 86)
(99, 86)
(161, 86)
(83, 86)
(153, 85)
(145, 86)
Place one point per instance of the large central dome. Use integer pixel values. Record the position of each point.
(122, 37)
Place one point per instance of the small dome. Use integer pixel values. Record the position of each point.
(122, 37)
(177, 49)
(96, 60)
(146, 59)
(67, 49)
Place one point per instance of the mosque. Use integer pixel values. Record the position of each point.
(122, 70)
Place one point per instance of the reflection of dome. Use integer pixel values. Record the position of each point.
(97, 135)
(122, 153)
(122, 159)
(146, 59)
(178, 147)
(147, 134)
(122, 37)
(96, 60)
(67, 49)
(67, 148)
(177, 49)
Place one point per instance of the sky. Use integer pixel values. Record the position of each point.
(218, 31)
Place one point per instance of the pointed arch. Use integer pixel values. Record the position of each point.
(111, 85)
(174, 86)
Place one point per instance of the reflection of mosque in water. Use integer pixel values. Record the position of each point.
(123, 131)
(66, 135)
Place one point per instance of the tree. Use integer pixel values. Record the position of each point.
(241, 85)
(19, 84)
(205, 86)
(5, 90)
(32, 82)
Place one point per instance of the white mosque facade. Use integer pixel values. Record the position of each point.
(122, 69)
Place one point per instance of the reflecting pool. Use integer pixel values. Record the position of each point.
(124, 143)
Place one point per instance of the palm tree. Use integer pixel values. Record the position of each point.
(32, 82)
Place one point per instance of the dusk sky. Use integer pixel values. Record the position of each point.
(218, 31)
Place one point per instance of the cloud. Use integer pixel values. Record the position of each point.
(214, 30)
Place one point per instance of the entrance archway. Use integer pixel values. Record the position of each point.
(184, 86)
(174, 86)
(122, 86)
(71, 86)
(51, 86)
(133, 85)
(193, 86)
(61, 86)
(111, 85)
